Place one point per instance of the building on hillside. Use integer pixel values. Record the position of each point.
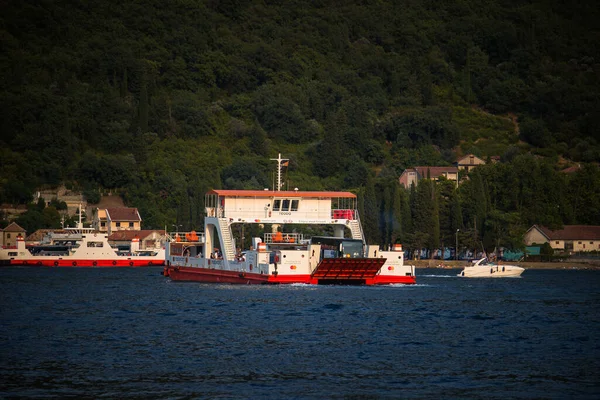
(149, 238)
(412, 176)
(9, 235)
(106, 201)
(469, 162)
(117, 219)
(73, 199)
(571, 238)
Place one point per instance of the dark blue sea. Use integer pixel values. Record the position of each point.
(132, 333)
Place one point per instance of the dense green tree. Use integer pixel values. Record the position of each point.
(584, 195)
(425, 217)
(370, 217)
(161, 107)
(397, 228)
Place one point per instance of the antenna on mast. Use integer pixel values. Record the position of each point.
(79, 224)
(281, 162)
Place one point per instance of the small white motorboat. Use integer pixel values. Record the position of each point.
(485, 269)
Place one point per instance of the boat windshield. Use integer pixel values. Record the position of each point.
(339, 247)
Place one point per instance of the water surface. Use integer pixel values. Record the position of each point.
(131, 333)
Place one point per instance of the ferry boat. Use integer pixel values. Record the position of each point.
(80, 247)
(280, 257)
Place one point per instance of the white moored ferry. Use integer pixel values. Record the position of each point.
(283, 257)
(80, 247)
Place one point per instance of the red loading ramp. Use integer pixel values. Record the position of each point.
(347, 269)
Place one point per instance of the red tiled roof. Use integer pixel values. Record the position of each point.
(572, 232)
(128, 235)
(123, 214)
(461, 161)
(435, 172)
(40, 233)
(13, 227)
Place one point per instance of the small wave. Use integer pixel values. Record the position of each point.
(403, 285)
(438, 276)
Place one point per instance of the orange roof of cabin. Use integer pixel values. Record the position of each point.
(282, 193)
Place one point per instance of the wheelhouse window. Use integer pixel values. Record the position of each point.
(285, 205)
(94, 244)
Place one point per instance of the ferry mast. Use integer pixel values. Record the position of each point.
(281, 162)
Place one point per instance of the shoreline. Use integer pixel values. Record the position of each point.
(451, 264)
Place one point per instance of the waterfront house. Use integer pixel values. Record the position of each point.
(9, 235)
(117, 219)
(571, 238)
(149, 238)
(469, 162)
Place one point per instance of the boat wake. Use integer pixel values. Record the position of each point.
(402, 285)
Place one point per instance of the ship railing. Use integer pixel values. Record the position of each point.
(282, 237)
(254, 216)
(192, 236)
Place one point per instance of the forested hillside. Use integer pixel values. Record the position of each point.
(162, 100)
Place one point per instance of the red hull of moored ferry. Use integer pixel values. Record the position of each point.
(86, 263)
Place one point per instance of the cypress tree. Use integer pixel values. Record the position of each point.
(144, 105)
(396, 231)
(370, 220)
(388, 214)
(435, 217)
(406, 217)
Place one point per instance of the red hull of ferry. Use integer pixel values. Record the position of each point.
(207, 275)
(87, 263)
(391, 280)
